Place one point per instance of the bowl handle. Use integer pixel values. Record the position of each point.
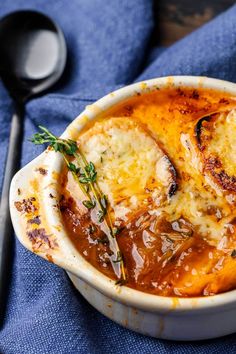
(27, 215)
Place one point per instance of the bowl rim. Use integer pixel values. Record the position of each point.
(75, 263)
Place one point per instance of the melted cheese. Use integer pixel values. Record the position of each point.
(131, 167)
(223, 140)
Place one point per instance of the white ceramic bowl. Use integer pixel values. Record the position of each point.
(161, 317)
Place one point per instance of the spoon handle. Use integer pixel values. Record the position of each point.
(6, 230)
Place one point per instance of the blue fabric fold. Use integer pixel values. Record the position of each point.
(109, 46)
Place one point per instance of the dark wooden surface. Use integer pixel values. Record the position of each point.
(176, 18)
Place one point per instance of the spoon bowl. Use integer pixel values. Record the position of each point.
(33, 53)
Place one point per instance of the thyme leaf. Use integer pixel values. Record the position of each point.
(104, 201)
(88, 204)
(100, 215)
(72, 167)
(85, 175)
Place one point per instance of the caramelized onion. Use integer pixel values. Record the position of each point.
(213, 165)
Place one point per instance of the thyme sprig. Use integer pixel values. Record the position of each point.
(85, 175)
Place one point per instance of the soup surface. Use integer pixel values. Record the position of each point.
(166, 162)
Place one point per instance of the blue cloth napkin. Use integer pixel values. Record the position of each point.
(109, 46)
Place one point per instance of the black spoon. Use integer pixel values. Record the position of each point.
(32, 59)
